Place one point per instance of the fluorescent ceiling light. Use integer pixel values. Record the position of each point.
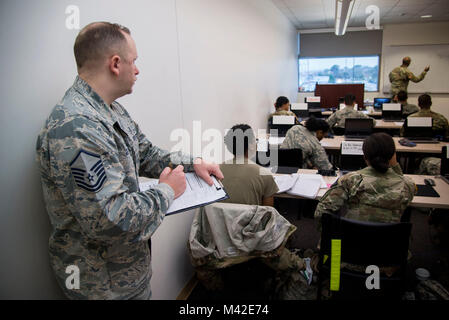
(427, 16)
(343, 11)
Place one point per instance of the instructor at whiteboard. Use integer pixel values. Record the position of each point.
(400, 76)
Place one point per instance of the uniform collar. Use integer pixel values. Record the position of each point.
(83, 88)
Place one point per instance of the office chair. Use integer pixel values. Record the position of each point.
(364, 244)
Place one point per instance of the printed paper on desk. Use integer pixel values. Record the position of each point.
(315, 177)
(283, 119)
(342, 106)
(262, 145)
(419, 121)
(399, 123)
(276, 140)
(352, 148)
(198, 193)
(391, 106)
(306, 186)
(299, 106)
(285, 182)
(313, 99)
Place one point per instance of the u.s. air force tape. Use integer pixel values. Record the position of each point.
(88, 171)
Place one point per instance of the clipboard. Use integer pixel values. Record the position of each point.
(197, 194)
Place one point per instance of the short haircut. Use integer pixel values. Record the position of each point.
(238, 139)
(349, 99)
(378, 149)
(402, 95)
(98, 39)
(424, 101)
(406, 61)
(313, 124)
(281, 101)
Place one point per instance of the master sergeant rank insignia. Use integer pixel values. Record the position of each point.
(88, 171)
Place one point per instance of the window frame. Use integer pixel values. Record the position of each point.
(335, 57)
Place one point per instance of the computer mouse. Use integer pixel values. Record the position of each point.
(429, 182)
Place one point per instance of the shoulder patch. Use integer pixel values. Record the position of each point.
(88, 171)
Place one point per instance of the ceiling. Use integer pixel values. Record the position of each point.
(318, 14)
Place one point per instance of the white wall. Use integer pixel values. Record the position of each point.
(411, 34)
(221, 62)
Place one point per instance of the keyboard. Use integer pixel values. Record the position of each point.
(355, 138)
(423, 140)
(393, 120)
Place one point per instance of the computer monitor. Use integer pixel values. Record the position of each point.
(351, 156)
(280, 125)
(379, 101)
(418, 127)
(300, 109)
(313, 102)
(358, 127)
(392, 111)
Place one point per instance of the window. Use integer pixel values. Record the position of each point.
(363, 69)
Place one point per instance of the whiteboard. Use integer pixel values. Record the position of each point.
(437, 56)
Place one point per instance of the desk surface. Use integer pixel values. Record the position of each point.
(381, 124)
(441, 187)
(334, 144)
(374, 113)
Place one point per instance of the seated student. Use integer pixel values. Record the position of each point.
(308, 140)
(377, 193)
(440, 124)
(282, 106)
(407, 108)
(337, 119)
(245, 181)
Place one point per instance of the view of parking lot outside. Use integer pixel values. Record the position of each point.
(339, 70)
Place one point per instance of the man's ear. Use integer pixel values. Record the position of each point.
(114, 64)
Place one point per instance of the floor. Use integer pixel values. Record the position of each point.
(243, 282)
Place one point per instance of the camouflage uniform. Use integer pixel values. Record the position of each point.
(338, 117)
(90, 157)
(430, 166)
(368, 195)
(440, 122)
(408, 109)
(313, 153)
(400, 77)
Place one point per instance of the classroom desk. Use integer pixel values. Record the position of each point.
(381, 125)
(427, 148)
(374, 114)
(441, 187)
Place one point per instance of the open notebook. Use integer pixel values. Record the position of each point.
(303, 185)
(197, 194)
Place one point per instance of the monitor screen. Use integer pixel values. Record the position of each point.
(379, 101)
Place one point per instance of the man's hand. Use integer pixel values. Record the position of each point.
(204, 169)
(175, 178)
(427, 68)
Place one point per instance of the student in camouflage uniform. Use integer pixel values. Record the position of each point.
(308, 140)
(440, 123)
(337, 119)
(91, 153)
(400, 77)
(407, 108)
(245, 181)
(377, 193)
(282, 106)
